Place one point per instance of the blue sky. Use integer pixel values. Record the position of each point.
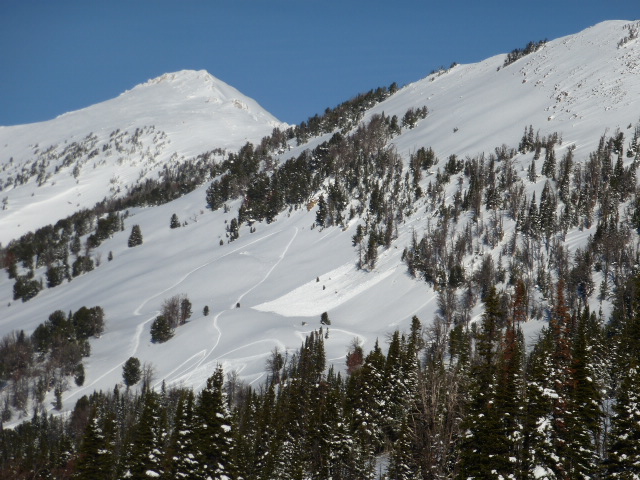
(294, 57)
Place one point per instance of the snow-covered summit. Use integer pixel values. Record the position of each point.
(193, 83)
(78, 158)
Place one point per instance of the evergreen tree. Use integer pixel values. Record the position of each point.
(213, 433)
(183, 453)
(364, 408)
(549, 165)
(234, 230)
(174, 222)
(624, 444)
(547, 212)
(485, 444)
(322, 213)
(510, 393)
(247, 420)
(334, 453)
(161, 329)
(146, 451)
(585, 422)
(402, 465)
(537, 443)
(135, 238)
(131, 372)
(185, 309)
(96, 456)
(548, 443)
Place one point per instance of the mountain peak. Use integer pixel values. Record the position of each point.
(180, 115)
(182, 77)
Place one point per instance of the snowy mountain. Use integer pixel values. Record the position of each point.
(81, 157)
(267, 289)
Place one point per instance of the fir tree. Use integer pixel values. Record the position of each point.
(510, 392)
(485, 446)
(624, 444)
(365, 405)
(131, 372)
(549, 165)
(96, 456)
(585, 422)
(213, 434)
(146, 453)
(322, 213)
(161, 329)
(402, 465)
(183, 454)
(233, 230)
(135, 238)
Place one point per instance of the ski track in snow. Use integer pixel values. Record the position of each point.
(203, 353)
(136, 312)
(168, 377)
(203, 361)
(275, 341)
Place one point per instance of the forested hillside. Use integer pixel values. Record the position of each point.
(435, 281)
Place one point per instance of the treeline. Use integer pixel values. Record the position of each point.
(345, 176)
(32, 366)
(344, 117)
(518, 53)
(458, 399)
(78, 154)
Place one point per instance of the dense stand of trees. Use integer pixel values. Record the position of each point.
(456, 399)
(31, 366)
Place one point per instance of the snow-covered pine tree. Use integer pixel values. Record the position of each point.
(135, 238)
(214, 436)
(484, 448)
(146, 453)
(586, 420)
(96, 456)
(183, 460)
(402, 464)
(623, 452)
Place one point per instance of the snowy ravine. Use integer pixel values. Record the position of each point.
(286, 273)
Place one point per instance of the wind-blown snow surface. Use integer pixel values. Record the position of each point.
(287, 273)
(177, 116)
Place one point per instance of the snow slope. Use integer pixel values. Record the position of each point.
(163, 121)
(285, 274)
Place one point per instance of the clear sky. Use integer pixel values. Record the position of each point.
(294, 57)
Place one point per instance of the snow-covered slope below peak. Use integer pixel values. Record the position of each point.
(77, 159)
(577, 85)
